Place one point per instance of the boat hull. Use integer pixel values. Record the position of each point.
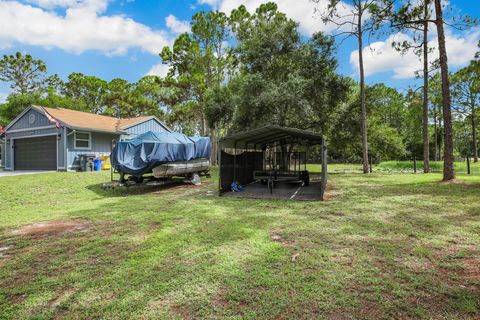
(181, 168)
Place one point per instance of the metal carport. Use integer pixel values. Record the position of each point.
(241, 154)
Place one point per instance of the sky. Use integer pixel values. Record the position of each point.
(122, 38)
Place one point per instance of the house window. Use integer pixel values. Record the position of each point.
(83, 140)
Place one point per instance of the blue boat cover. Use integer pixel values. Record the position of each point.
(203, 147)
(150, 149)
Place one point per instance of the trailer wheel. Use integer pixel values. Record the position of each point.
(195, 179)
(135, 179)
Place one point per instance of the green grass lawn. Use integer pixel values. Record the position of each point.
(383, 246)
(435, 166)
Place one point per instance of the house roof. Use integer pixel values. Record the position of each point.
(93, 122)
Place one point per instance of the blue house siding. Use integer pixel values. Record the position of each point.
(2, 153)
(101, 144)
(149, 125)
(24, 122)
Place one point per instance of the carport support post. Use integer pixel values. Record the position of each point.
(324, 168)
(255, 157)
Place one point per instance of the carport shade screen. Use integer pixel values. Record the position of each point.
(241, 154)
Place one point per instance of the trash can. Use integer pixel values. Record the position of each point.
(97, 164)
(86, 162)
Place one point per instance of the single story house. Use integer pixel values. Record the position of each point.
(53, 138)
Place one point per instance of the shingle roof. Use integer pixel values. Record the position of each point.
(88, 121)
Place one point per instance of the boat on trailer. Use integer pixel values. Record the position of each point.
(155, 158)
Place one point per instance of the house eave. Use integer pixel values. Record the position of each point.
(95, 130)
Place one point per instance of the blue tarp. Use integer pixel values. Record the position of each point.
(203, 147)
(146, 151)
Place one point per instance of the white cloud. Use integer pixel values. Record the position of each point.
(381, 57)
(177, 26)
(212, 3)
(81, 28)
(54, 3)
(95, 5)
(305, 12)
(160, 70)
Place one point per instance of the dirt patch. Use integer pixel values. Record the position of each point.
(182, 311)
(62, 297)
(220, 299)
(181, 188)
(468, 259)
(333, 216)
(339, 315)
(17, 298)
(460, 267)
(4, 251)
(52, 228)
(276, 236)
(370, 310)
(460, 182)
(471, 269)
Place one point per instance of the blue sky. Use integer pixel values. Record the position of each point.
(122, 38)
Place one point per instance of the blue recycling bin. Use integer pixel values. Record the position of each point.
(97, 165)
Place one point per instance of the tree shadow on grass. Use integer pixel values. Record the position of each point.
(179, 186)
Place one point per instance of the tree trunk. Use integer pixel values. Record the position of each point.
(435, 153)
(448, 171)
(474, 136)
(362, 92)
(214, 154)
(426, 142)
(440, 130)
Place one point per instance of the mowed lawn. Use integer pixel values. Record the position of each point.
(382, 246)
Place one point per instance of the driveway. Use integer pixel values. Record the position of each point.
(21, 172)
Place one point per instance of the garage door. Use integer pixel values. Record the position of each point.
(35, 153)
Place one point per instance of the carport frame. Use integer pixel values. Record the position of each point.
(269, 135)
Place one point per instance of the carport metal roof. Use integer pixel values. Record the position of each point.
(267, 135)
